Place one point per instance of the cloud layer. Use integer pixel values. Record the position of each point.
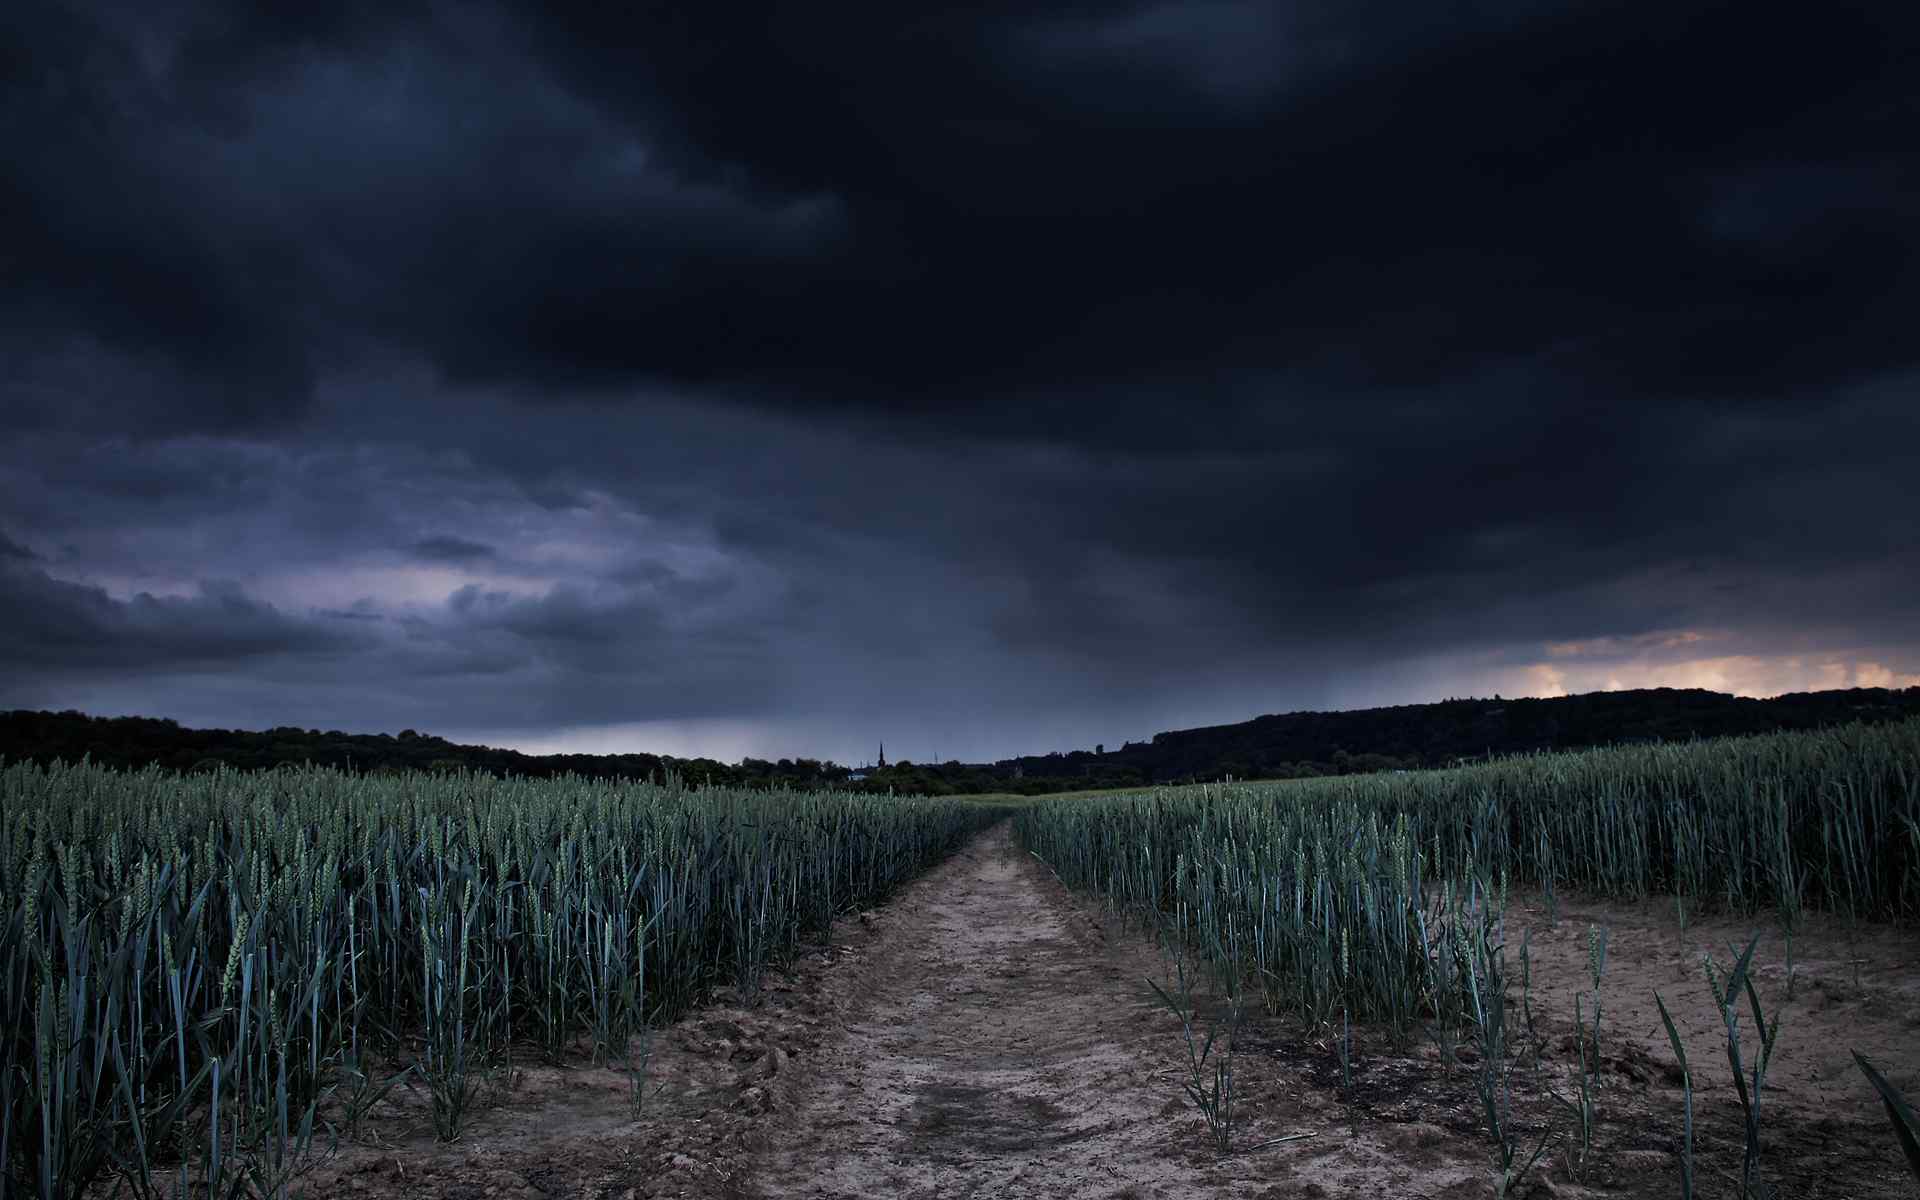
(984, 378)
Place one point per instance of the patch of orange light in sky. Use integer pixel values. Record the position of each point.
(1740, 674)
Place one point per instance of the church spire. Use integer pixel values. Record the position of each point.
(883, 754)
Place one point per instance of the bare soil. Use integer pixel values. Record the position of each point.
(988, 1034)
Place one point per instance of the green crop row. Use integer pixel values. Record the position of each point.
(1381, 898)
(196, 969)
(1827, 820)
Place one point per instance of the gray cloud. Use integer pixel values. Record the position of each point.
(1006, 379)
(447, 548)
(55, 625)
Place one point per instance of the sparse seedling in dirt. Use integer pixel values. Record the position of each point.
(1727, 997)
(358, 1092)
(1526, 997)
(1584, 1105)
(1900, 1114)
(1596, 970)
(1686, 1100)
(638, 1057)
(1484, 961)
(1209, 1074)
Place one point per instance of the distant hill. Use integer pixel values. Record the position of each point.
(1411, 736)
(1281, 746)
(139, 741)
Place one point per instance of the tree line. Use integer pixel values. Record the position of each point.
(1283, 746)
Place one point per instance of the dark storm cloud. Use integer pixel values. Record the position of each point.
(52, 623)
(950, 210)
(1034, 202)
(1012, 372)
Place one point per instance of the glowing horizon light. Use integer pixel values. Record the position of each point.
(1754, 676)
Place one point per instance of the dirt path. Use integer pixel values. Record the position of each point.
(1002, 1051)
(1003, 1045)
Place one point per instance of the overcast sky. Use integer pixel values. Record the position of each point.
(985, 378)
